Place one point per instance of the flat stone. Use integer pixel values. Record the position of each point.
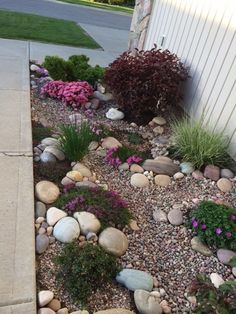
(224, 255)
(54, 215)
(216, 279)
(175, 217)
(200, 247)
(212, 172)
(47, 192)
(161, 166)
(115, 311)
(114, 114)
(50, 141)
(47, 157)
(40, 209)
(224, 185)
(136, 168)
(87, 222)
(56, 152)
(159, 215)
(139, 180)
(44, 297)
(198, 175)
(74, 175)
(147, 302)
(159, 120)
(46, 310)
(66, 230)
(42, 243)
(134, 279)
(102, 97)
(162, 180)
(178, 176)
(113, 241)
(110, 142)
(82, 169)
(186, 167)
(226, 173)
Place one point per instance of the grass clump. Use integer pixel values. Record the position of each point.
(107, 206)
(82, 270)
(195, 143)
(74, 140)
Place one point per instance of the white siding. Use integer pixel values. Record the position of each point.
(203, 34)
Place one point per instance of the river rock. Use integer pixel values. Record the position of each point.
(161, 166)
(74, 175)
(158, 130)
(67, 181)
(110, 142)
(82, 169)
(56, 152)
(224, 185)
(134, 279)
(225, 255)
(178, 176)
(47, 157)
(212, 172)
(93, 145)
(87, 222)
(136, 168)
(234, 271)
(64, 310)
(44, 297)
(34, 68)
(139, 180)
(114, 114)
(198, 175)
(54, 305)
(216, 279)
(115, 311)
(86, 183)
(162, 180)
(40, 209)
(47, 192)
(113, 241)
(46, 310)
(200, 247)
(66, 230)
(50, 141)
(159, 215)
(54, 215)
(42, 243)
(102, 97)
(147, 302)
(175, 217)
(159, 120)
(124, 166)
(186, 167)
(226, 173)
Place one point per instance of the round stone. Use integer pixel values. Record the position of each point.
(224, 185)
(87, 222)
(136, 168)
(234, 271)
(158, 130)
(159, 215)
(64, 310)
(178, 176)
(46, 310)
(44, 297)
(115, 311)
(47, 192)
(159, 120)
(212, 172)
(54, 215)
(147, 302)
(66, 230)
(110, 142)
(134, 279)
(216, 279)
(47, 157)
(40, 209)
(186, 167)
(42, 243)
(162, 180)
(175, 217)
(139, 180)
(114, 114)
(55, 305)
(224, 255)
(50, 141)
(226, 173)
(74, 175)
(113, 241)
(56, 152)
(82, 169)
(67, 181)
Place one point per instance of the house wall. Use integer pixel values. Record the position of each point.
(202, 34)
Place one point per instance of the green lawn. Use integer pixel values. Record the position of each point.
(43, 29)
(105, 6)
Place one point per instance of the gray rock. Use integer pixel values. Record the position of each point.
(175, 217)
(159, 120)
(234, 271)
(50, 141)
(159, 215)
(198, 246)
(135, 279)
(212, 172)
(40, 209)
(47, 157)
(87, 222)
(56, 152)
(34, 68)
(37, 158)
(103, 97)
(42, 243)
(147, 302)
(124, 166)
(186, 167)
(66, 230)
(114, 114)
(160, 166)
(178, 176)
(226, 173)
(224, 255)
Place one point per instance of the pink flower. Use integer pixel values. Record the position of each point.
(218, 231)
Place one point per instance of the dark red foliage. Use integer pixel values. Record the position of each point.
(142, 79)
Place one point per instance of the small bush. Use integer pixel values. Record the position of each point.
(54, 172)
(212, 300)
(215, 224)
(107, 206)
(119, 155)
(74, 141)
(82, 270)
(59, 69)
(140, 81)
(193, 142)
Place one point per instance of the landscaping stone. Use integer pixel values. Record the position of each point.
(115, 311)
(158, 130)
(136, 168)
(50, 141)
(44, 297)
(49, 230)
(216, 279)
(198, 175)
(134, 279)
(54, 305)
(110, 142)
(93, 145)
(212, 172)
(66, 230)
(113, 241)
(64, 310)
(82, 169)
(47, 192)
(40, 209)
(47, 157)
(114, 114)
(42, 243)
(91, 236)
(56, 152)
(147, 302)
(54, 215)
(225, 255)
(101, 152)
(139, 180)
(75, 118)
(224, 185)
(87, 222)
(165, 307)
(95, 103)
(200, 247)
(133, 225)
(186, 167)
(80, 312)
(162, 180)
(163, 158)
(86, 183)
(124, 166)
(226, 173)
(178, 176)
(160, 166)
(74, 175)
(67, 181)
(175, 217)
(102, 97)
(159, 215)
(39, 220)
(34, 68)
(46, 310)
(159, 120)
(234, 271)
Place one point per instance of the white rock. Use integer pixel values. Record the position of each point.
(216, 279)
(178, 175)
(114, 114)
(87, 222)
(46, 310)
(34, 67)
(47, 192)
(66, 230)
(56, 152)
(44, 297)
(54, 215)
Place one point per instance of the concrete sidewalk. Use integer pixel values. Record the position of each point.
(17, 250)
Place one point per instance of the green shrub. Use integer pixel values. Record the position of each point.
(107, 206)
(83, 270)
(215, 224)
(74, 141)
(59, 69)
(193, 142)
(211, 299)
(134, 138)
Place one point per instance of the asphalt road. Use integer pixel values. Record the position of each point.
(76, 13)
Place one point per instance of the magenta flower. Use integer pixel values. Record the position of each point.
(203, 227)
(218, 231)
(228, 234)
(133, 159)
(233, 217)
(194, 223)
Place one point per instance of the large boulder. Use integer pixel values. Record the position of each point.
(161, 166)
(113, 241)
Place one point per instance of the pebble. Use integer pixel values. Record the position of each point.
(40, 209)
(110, 142)
(74, 175)
(47, 192)
(39, 220)
(56, 152)
(66, 230)
(76, 118)
(42, 243)
(224, 185)
(159, 215)
(159, 120)
(175, 217)
(133, 225)
(212, 172)
(226, 173)
(34, 68)
(67, 181)
(95, 103)
(165, 307)
(49, 230)
(162, 180)
(54, 215)
(136, 168)
(224, 255)
(234, 271)
(186, 167)
(87, 222)
(158, 130)
(91, 236)
(134, 279)
(113, 241)
(41, 230)
(44, 297)
(147, 302)
(139, 180)
(200, 247)
(114, 114)
(216, 279)
(86, 183)
(178, 176)
(93, 145)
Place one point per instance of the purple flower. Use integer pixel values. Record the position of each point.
(218, 231)
(228, 234)
(203, 227)
(194, 223)
(233, 217)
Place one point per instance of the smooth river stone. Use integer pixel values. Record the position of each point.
(147, 302)
(135, 279)
(54, 215)
(115, 311)
(88, 222)
(113, 241)
(47, 192)
(44, 297)
(66, 230)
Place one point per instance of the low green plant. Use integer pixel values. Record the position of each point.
(59, 69)
(134, 138)
(215, 224)
(211, 300)
(40, 133)
(117, 155)
(82, 270)
(107, 206)
(75, 140)
(195, 143)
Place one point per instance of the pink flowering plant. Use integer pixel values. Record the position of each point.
(74, 94)
(118, 155)
(215, 224)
